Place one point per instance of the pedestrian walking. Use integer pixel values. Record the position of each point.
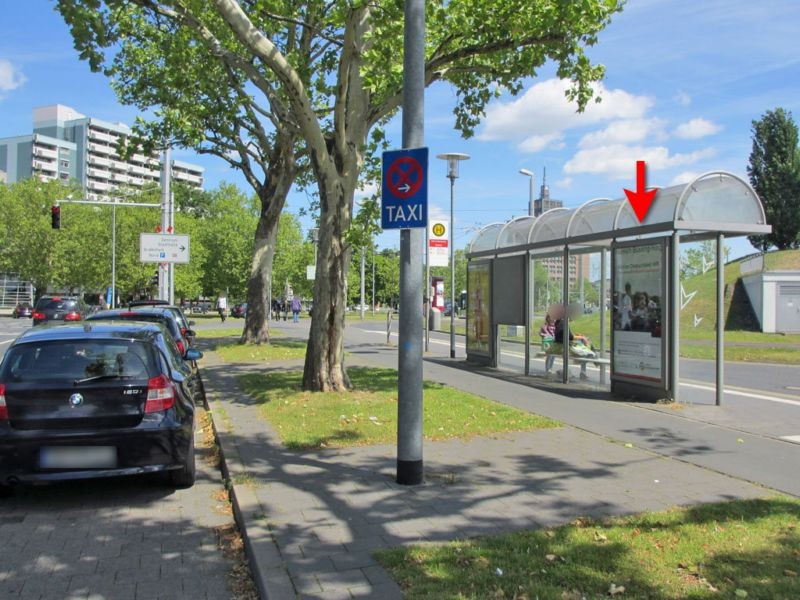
(296, 307)
(222, 307)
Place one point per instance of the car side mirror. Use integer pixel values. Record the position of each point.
(190, 333)
(191, 323)
(192, 354)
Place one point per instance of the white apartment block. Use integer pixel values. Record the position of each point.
(67, 145)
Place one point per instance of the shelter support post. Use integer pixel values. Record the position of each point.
(603, 292)
(720, 318)
(565, 304)
(528, 308)
(675, 315)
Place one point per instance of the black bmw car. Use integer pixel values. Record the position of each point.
(96, 400)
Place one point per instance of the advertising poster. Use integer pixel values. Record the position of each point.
(478, 308)
(637, 302)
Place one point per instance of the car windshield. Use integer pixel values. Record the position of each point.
(76, 360)
(164, 319)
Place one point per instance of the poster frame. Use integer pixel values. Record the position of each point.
(472, 354)
(666, 315)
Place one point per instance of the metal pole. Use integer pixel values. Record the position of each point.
(363, 294)
(675, 316)
(530, 197)
(452, 270)
(373, 278)
(163, 274)
(720, 319)
(565, 304)
(603, 292)
(114, 255)
(528, 320)
(171, 266)
(409, 384)
(427, 295)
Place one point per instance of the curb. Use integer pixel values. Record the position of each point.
(266, 563)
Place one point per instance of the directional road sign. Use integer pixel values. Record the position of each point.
(163, 248)
(404, 197)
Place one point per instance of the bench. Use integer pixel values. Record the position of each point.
(598, 361)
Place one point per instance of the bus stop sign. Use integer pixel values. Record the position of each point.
(404, 196)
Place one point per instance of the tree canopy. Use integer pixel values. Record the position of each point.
(774, 171)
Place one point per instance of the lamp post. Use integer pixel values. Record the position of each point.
(531, 177)
(452, 158)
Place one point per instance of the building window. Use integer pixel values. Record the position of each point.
(65, 163)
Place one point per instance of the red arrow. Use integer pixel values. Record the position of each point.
(642, 198)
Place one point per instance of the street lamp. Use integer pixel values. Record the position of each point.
(452, 158)
(532, 177)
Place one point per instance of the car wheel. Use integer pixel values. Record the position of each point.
(6, 491)
(185, 476)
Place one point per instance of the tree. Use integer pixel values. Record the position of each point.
(325, 76)
(699, 258)
(774, 171)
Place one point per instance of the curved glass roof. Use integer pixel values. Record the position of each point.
(713, 202)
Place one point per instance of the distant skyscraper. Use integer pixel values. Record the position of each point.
(67, 145)
(544, 203)
(578, 265)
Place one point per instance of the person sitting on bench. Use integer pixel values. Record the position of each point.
(574, 341)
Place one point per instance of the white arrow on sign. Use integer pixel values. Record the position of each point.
(404, 188)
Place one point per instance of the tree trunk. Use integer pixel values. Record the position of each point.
(324, 367)
(273, 194)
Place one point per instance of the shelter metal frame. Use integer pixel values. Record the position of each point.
(713, 205)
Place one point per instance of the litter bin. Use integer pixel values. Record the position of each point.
(435, 319)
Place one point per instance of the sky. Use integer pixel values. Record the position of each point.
(684, 81)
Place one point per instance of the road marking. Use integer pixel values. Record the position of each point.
(745, 394)
(791, 438)
(7, 341)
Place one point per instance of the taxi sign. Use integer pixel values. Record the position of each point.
(404, 193)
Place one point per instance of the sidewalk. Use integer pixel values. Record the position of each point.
(312, 519)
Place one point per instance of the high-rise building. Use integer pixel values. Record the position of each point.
(578, 265)
(67, 145)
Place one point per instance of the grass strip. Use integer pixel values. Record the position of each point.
(276, 350)
(741, 549)
(367, 414)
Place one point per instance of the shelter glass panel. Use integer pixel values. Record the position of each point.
(516, 232)
(479, 301)
(486, 238)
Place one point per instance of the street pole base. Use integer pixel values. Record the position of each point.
(452, 353)
(409, 472)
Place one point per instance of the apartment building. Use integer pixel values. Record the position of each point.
(67, 145)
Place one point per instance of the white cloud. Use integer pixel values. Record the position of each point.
(10, 77)
(696, 128)
(625, 131)
(618, 161)
(543, 110)
(535, 143)
(684, 177)
(683, 98)
(564, 182)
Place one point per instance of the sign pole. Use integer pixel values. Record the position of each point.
(427, 289)
(409, 406)
(163, 274)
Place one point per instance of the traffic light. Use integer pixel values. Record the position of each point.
(154, 278)
(55, 216)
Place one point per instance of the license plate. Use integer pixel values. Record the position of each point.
(78, 457)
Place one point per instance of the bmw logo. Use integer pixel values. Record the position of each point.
(75, 400)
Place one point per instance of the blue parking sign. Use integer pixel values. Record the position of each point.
(404, 193)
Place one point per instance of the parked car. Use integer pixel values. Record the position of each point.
(184, 324)
(161, 315)
(22, 310)
(59, 308)
(239, 311)
(97, 399)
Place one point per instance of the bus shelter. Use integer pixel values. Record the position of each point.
(645, 289)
